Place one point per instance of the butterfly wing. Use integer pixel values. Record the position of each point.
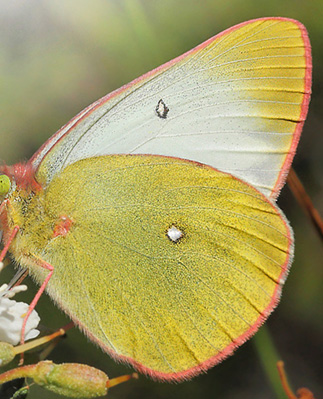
(168, 264)
(236, 102)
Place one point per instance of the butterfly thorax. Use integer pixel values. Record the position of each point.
(24, 208)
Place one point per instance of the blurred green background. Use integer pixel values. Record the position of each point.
(56, 57)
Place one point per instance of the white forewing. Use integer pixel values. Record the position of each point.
(219, 104)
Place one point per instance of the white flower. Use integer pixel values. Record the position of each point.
(12, 315)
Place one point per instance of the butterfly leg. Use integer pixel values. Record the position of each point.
(12, 235)
(2, 206)
(21, 274)
(50, 268)
(9, 241)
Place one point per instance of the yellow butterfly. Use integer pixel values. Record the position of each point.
(150, 217)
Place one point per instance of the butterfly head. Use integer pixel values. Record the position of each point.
(20, 176)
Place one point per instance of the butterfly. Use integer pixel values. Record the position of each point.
(150, 217)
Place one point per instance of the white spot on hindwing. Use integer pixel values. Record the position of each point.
(174, 234)
(162, 109)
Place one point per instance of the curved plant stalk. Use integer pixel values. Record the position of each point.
(302, 393)
(305, 201)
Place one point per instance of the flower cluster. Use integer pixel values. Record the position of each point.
(12, 315)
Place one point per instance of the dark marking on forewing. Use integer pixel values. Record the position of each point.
(162, 109)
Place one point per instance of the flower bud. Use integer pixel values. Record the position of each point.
(71, 379)
(7, 353)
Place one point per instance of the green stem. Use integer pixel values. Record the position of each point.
(269, 357)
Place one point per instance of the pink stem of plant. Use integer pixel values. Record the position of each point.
(21, 372)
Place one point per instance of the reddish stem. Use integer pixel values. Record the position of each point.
(305, 201)
(20, 372)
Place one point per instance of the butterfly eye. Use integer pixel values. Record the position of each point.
(5, 184)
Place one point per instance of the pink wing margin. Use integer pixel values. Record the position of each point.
(304, 109)
(37, 158)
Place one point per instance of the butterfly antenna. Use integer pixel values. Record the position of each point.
(16, 280)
